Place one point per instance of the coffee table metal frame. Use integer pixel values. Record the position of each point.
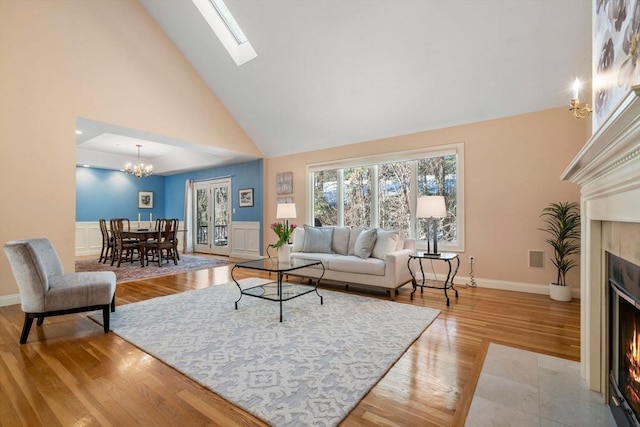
(274, 291)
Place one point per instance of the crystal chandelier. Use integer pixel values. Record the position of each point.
(139, 169)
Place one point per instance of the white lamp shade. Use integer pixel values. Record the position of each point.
(431, 207)
(286, 211)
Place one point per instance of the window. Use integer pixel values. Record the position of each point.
(382, 192)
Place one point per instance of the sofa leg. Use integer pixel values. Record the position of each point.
(392, 294)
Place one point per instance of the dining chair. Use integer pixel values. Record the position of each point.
(45, 290)
(107, 242)
(124, 247)
(165, 242)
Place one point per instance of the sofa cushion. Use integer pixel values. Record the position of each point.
(364, 243)
(298, 239)
(340, 242)
(322, 257)
(317, 239)
(386, 242)
(354, 264)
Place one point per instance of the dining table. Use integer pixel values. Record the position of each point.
(142, 235)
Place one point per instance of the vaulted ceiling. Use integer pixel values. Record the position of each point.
(330, 73)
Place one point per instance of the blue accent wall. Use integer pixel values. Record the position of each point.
(102, 193)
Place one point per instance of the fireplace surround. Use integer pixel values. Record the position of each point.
(607, 169)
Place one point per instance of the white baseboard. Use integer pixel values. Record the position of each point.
(531, 288)
(6, 300)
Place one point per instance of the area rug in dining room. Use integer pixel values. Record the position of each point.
(312, 369)
(133, 271)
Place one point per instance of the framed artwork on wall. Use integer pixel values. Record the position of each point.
(284, 199)
(145, 199)
(245, 197)
(284, 183)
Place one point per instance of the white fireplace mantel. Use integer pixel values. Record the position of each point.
(608, 172)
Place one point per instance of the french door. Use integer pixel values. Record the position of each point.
(212, 217)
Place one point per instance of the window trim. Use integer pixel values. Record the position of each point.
(399, 156)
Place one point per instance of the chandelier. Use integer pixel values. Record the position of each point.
(139, 169)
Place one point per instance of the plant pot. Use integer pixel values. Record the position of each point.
(559, 293)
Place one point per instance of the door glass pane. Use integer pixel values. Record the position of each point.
(202, 229)
(220, 215)
(394, 196)
(357, 197)
(325, 197)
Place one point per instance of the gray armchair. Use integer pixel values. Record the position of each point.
(45, 290)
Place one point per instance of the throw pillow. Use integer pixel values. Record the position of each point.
(386, 242)
(340, 244)
(364, 243)
(317, 239)
(353, 236)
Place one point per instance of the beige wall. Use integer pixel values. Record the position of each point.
(103, 60)
(512, 169)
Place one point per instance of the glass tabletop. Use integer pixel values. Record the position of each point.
(274, 265)
(442, 255)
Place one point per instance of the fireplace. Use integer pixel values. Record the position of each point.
(607, 169)
(624, 340)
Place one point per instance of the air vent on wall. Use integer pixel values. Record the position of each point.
(536, 259)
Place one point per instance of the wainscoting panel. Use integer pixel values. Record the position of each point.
(88, 238)
(246, 239)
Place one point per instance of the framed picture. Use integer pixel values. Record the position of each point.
(284, 183)
(245, 197)
(284, 199)
(145, 199)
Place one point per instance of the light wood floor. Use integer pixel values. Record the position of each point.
(71, 373)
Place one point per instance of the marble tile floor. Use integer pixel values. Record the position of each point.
(521, 388)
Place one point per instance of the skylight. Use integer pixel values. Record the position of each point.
(224, 25)
(229, 21)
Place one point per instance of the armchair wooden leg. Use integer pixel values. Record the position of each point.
(40, 321)
(105, 317)
(28, 321)
(113, 303)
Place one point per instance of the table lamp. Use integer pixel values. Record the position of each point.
(286, 211)
(431, 207)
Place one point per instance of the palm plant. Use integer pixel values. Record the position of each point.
(563, 227)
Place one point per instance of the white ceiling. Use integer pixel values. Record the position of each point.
(330, 73)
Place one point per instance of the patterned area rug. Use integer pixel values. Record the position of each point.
(128, 272)
(312, 369)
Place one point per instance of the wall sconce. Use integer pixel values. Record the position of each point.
(579, 111)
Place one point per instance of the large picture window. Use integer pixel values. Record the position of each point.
(382, 192)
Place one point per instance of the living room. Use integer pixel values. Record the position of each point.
(66, 61)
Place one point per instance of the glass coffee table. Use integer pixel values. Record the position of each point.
(277, 291)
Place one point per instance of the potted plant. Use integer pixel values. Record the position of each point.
(284, 232)
(563, 228)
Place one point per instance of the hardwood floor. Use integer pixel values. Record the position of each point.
(71, 373)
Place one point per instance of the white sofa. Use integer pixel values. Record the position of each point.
(360, 256)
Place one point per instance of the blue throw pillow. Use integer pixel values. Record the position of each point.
(317, 239)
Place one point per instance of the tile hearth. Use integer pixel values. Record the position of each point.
(522, 388)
